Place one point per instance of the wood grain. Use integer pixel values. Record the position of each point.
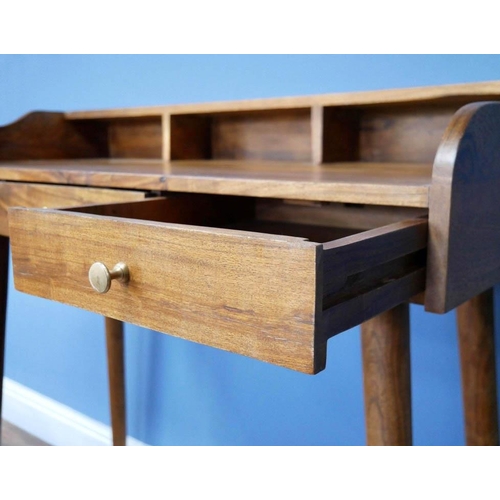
(464, 220)
(283, 135)
(199, 209)
(404, 133)
(116, 374)
(135, 138)
(44, 135)
(18, 194)
(273, 297)
(453, 94)
(255, 135)
(386, 374)
(368, 301)
(349, 216)
(395, 184)
(4, 283)
(334, 134)
(477, 357)
(321, 134)
(190, 137)
(340, 135)
(347, 280)
(312, 232)
(371, 248)
(371, 272)
(232, 290)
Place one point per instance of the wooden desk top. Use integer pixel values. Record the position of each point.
(396, 184)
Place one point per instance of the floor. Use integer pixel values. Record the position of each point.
(13, 436)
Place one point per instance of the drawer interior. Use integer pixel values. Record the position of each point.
(315, 221)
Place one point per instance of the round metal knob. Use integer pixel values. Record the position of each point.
(100, 277)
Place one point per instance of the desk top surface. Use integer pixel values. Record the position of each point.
(373, 183)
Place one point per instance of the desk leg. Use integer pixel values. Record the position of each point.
(387, 383)
(116, 375)
(477, 355)
(4, 277)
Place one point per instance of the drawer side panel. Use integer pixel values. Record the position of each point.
(19, 194)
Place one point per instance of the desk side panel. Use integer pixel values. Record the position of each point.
(464, 209)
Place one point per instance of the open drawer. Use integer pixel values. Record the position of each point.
(224, 271)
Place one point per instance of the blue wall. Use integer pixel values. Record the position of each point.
(183, 393)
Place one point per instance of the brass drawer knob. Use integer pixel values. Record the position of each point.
(100, 277)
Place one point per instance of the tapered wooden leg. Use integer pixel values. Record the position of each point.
(4, 275)
(477, 355)
(116, 373)
(387, 383)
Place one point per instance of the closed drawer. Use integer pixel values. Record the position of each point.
(207, 269)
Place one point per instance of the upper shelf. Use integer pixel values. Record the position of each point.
(398, 126)
(396, 184)
(456, 93)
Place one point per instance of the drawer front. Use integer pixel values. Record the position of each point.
(19, 194)
(254, 294)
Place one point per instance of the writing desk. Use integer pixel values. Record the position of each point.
(265, 227)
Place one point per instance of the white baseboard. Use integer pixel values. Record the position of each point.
(53, 422)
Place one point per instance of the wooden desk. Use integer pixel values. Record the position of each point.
(266, 227)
